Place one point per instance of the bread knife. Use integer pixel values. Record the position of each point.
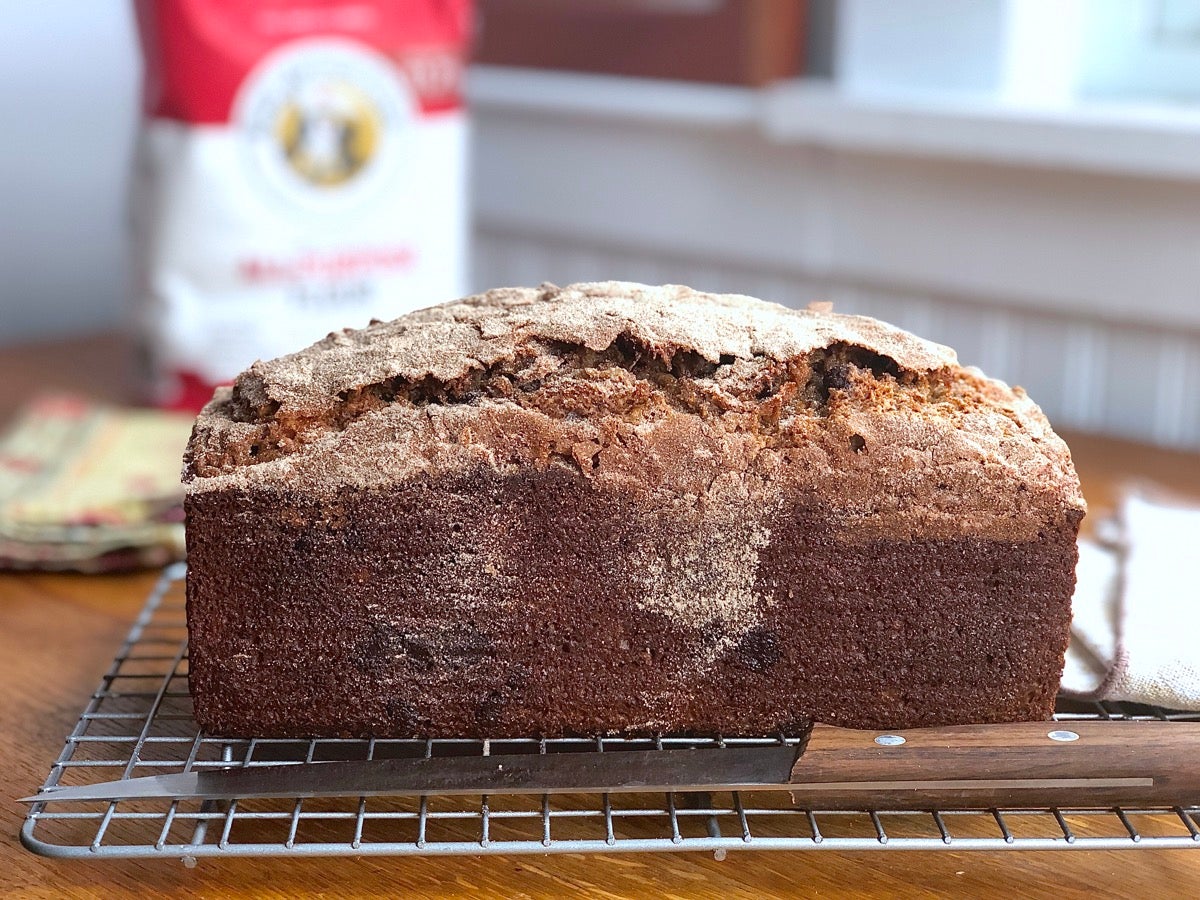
(1025, 765)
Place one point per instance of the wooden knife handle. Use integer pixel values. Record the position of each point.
(1151, 764)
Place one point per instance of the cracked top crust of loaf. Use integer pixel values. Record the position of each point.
(663, 392)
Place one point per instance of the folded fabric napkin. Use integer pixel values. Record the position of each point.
(1136, 629)
(91, 488)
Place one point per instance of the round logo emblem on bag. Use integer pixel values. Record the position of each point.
(322, 123)
(328, 132)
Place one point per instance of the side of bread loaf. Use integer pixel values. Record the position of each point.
(615, 508)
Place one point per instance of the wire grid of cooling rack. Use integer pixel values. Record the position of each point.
(138, 722)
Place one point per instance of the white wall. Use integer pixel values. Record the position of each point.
(69, 72)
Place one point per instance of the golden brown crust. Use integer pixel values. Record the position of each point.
(642, 389)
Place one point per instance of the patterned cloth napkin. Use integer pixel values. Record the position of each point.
(1136, 629)
(91, 488)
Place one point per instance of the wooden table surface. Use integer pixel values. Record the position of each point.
(59, 632)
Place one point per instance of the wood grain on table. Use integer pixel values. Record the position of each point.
(58, 634)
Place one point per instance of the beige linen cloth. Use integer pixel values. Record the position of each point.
(1136, 629)
(87, 487)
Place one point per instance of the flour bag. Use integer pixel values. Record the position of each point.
(300, 169)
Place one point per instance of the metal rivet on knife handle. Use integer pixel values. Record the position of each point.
(1063, 736)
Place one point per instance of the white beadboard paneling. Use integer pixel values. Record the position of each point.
(1170, 363)
(1177, 402)
(961, 329)
(859, 301)
(998, 326)
(1191, 397)
(1131, 384)
(915, 314)
(795, 292)
(1037, 362)
(1087, 374)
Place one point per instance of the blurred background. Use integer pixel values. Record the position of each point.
(1019, 179)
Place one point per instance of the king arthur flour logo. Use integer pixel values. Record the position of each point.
(328, 132)
(323, 124)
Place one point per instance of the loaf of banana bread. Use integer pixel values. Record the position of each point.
(612, 508)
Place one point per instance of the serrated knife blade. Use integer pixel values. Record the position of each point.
(1023, 765)
(527, 773)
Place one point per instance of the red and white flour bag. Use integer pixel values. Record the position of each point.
(301, 168)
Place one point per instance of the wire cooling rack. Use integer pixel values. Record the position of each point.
(139, 722)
